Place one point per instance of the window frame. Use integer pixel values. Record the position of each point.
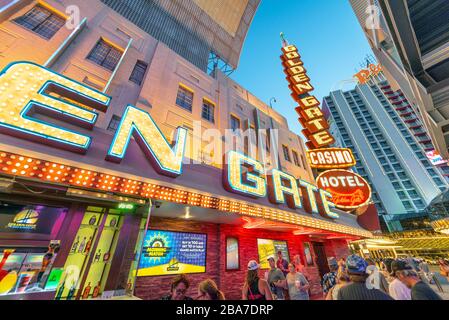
(179, 101)
(112, 47)
(286, 152)
(34, 29)
(211, 106)
(133, 77)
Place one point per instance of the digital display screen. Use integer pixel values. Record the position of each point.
(168, 253)
(269, 248)
(436, 158)
(29, 219)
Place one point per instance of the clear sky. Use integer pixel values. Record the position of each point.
(328, 36)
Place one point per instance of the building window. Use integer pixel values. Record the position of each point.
(105, 55)
(115, 122)
(41, 21)
(184, 98)
(286, 153)
(138, 72)
(296, 158)
(235, 123)
(208, 111)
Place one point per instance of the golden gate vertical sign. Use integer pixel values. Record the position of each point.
(316, 127)
(316, 131)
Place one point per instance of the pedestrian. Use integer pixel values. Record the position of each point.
(407, 275)
(375, 279)
(276, 280)
(357, 289)
(397, 289)
(298, 265)
(281, 263)
(255, 289)
(208, 290)
(342, 265)
(386, 270)
(330, 279)
(342, 281)
(444, 268)
(298, 286)
(179, 287)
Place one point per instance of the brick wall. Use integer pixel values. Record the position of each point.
(230, 282)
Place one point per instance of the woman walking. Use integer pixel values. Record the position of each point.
(298, 286)
(255, 289)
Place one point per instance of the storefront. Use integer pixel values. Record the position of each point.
(205, 243)
(105, 249)
(52, 244)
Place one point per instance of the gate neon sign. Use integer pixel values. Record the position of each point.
(27, 88)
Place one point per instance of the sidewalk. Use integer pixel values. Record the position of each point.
(444, 295)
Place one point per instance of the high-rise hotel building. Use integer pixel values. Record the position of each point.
(410, 39)
(389, 155)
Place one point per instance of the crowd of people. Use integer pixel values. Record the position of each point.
(351, 278)
(356, 278)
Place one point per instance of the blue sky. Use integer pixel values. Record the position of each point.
(328, 36)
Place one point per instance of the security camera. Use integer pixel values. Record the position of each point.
(157, 204)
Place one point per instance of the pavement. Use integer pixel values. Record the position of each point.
(444, 295)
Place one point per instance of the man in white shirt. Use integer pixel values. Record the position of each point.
(398, 290)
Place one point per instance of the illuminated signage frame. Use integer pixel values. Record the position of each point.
(316, 127)
(339, 206)
(334, 165)
(40, 78)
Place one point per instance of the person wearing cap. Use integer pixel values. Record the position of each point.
(255, 289)
(357, 289)
(376, 279)
(276, 280)
(408, 276)
(397, 289)
(330, 279)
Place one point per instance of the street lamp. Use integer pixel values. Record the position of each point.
(273, 99)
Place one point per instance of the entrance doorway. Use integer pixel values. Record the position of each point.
(321, 258)
(88, 264)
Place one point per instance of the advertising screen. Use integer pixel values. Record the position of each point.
(436, 158)
(29, 219)
(269, 248)
(168, 253)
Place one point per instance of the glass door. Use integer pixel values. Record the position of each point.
(87, 267)
(79, 255)
(101, 264)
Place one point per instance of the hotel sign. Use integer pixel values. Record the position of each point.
(365, 75)
(27, 88)
(348, 189)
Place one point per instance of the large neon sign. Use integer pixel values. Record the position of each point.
(27, 87)
(316, 128)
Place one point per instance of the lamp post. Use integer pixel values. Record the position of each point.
(273, 99)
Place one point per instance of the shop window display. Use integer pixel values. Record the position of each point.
(89, 261)
(26, 268)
